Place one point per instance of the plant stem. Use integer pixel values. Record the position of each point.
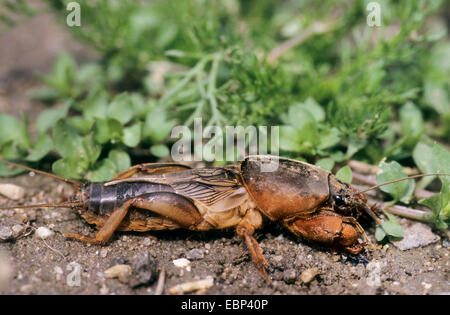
(410, 213)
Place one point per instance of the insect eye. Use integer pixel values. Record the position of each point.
(339, 201)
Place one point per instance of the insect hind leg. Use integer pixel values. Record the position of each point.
(178, 209)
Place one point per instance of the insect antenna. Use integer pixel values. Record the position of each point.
(399, 180)
(69, 181)
(46, 205)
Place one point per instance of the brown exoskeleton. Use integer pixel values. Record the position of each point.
(309, 201)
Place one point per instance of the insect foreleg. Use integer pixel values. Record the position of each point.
(245, 229)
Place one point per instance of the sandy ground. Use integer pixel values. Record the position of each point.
(54, 265)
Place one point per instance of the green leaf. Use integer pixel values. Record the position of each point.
(440, 203)
(422, 156)
(380, 234)
(411, 120)
(70, 168)
(132, 135)
(7, 171)
(435, 204)
(392, 228)
(121, 109)
(68, 143)
(106, 129)
(81, 124)
(120, 158)
(43, 145)
(48, 118)
(44, 94)
(289, 139)
(104, 171)
(345, 174)
(96, 105)
(12, 130)
(402, 190)
(325, 164)
(303, 113)
(329, 138)
(156, 126)
(159, 150)
(315, 109)
(91, 148)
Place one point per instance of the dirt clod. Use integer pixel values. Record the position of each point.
(123, 272)
(6, 233)
(195, 254)
(44, 233)
(144, 270)
(308, 275)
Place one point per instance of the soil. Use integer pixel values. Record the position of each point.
(45, 266)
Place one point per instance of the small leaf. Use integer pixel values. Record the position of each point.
(159, 150)
(6, 170)
(156, 126)
(42, 147)
(96, 105)
(392, 228)
(329, 138)
(132, 135)
(325, 164)
(345, 174)
(106, 129)
(68, 143)
(289, 139)
(48, 118)
(70, 168)
(91, 148)
(81, 124)
(44, 94)
(104, 171)
(12, 130)
(411, 120)
(121, 109)
(402, 190)
(120, 158)
(380, 234)
(422, 158)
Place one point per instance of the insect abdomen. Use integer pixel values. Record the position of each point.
(102, 200)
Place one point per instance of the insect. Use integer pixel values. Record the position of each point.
(309, 201)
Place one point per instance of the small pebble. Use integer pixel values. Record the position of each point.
(308, 275)
(18, 229)
(103, 253)
(195, 254)
(6, 233)
(104, 290)
(426, 286)
(43, 232)
(144, 270)
(58, 270)
(11, 191)
(123, 272)
(182, 263)
(147, 241)
(289, 276)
